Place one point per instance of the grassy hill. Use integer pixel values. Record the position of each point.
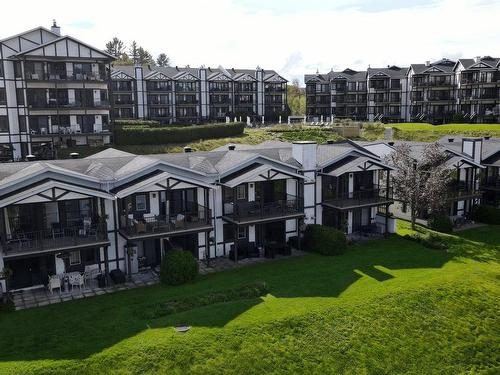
(386, 306)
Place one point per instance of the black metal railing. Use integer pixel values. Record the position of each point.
(283, 206)
(19, 242)
(359, 197)
(461, 190)
(195, 217)
(491, 182)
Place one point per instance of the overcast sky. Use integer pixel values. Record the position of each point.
(291, 36)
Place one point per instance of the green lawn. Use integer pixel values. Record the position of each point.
(430, 133)
(387, 306)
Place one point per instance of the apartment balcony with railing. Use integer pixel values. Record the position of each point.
(371, 195)
(491, 183)
(279, 206)
(461, 190)
(193, 218)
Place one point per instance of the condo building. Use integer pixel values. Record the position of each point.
(115, 210)
(53, 92)
(438, 92)
(188, 95)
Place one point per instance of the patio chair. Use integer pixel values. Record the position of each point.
(54, 283)
(76, 279)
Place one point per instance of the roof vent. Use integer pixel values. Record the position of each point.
(487, 137)
(427, 63)
(74, 155)
(329, 142)
(451, 140)
(55, 29)
(30, 157)
(188, 149)
(231, 147)
(390, 143)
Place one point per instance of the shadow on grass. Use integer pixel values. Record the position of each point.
(79, 329)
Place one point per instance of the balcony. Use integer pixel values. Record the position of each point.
(288, 207)
(195, 219)
(359, 198)
(39, 75)
(460, 191)
(22, 243)
(124, 102)
(491, 183)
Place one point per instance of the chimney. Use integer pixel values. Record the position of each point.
(305, 153)
(74, 155)
(388, 133)
(473, 147)
(487, 137)
(55, 29)
(231, 147)
(478, 59)
(30, 157)
(427, 63)
(188, 149)
(451, 140)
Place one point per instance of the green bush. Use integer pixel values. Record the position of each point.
(486, 214)
(431, 241)
(178, 267)
(133, 135)
(174, 306)
(324, 240)
(440, 222)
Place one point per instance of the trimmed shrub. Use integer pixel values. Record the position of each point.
(440, 222)
(431, 241)
(133, 135)
(486, 214)
(324, 240)
(178, 267)
(174, 306)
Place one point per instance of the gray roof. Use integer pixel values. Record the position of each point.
(490, 147)
(445, 65)
(348, 74)
(391, 71)
(468, 63)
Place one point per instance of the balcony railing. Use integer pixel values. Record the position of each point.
(38, 75)
(289, 205)
(196, 218)
(491, 182)
(22, 242)
(362, 197)
(460, 190)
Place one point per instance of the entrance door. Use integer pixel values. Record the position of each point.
(356, 220)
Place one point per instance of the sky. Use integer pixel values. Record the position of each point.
(292, 37)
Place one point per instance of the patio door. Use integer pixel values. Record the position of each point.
(270, 232)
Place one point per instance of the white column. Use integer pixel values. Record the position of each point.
(351, 184)
(349, 222)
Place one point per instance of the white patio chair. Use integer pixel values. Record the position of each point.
(75, 279)
(54, 283)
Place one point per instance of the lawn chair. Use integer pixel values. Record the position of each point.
(54, 283)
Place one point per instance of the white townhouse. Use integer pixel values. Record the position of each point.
(116, 210)
(53, 93)
(464, 189)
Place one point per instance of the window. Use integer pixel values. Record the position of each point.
(242, 233)
(1, 68)
(74, 258)
(18, 73)
(20, 96)
(240, 192)
(22, 123)
(4, 124)
(3, 97)
(140, 202)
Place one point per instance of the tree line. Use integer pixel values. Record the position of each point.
(134, 54)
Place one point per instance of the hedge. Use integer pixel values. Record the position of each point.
(487, 214)
(178, 267)
(440, 222)
(324, 240)
(165, 135)
(174, 306)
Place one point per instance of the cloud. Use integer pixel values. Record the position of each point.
(293, 37)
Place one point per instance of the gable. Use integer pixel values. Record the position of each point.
(380, 74)
(276, 78)
(66, 47)
(158, 76)
(433, 69)
(221, 77)
(245, 78)
(121, 75)
(186, 77)
(481, 65)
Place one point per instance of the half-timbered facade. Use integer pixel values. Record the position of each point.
(53, 93)
(187, 95)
